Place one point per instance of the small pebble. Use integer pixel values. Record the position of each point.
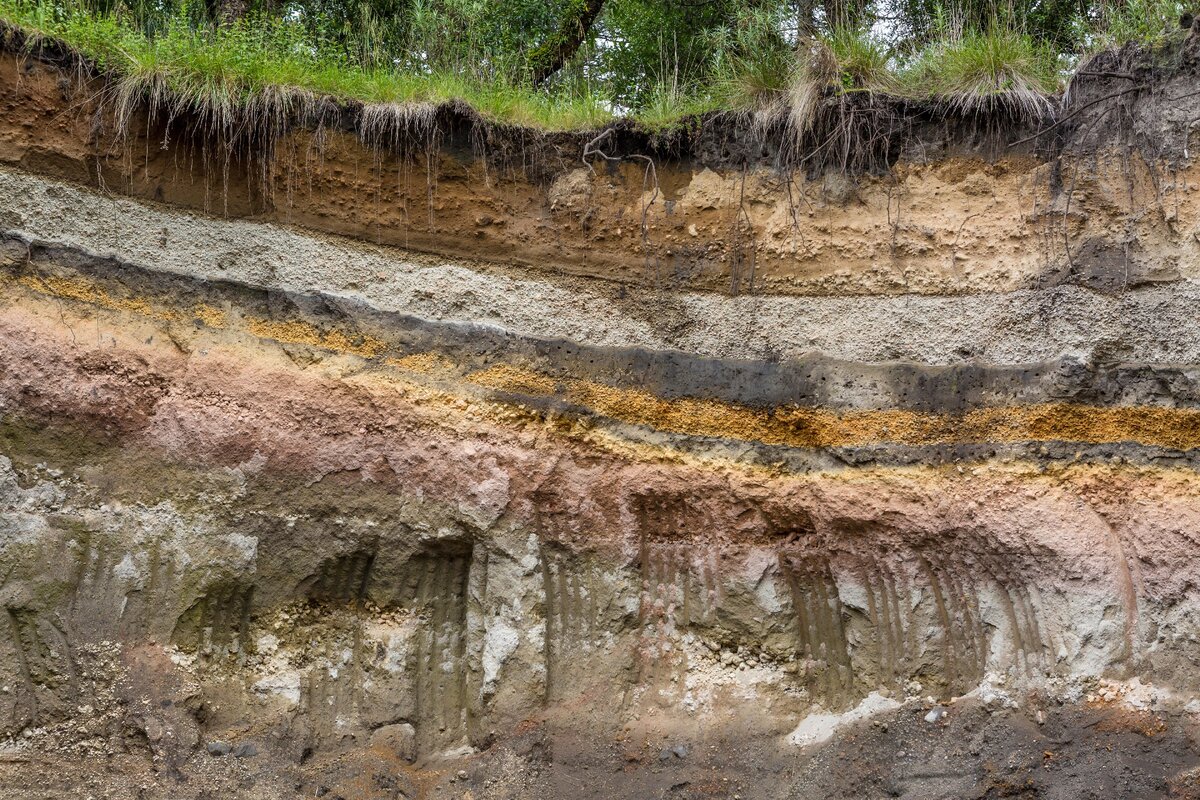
(218, 748)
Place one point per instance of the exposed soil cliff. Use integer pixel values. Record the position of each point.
(691, 475)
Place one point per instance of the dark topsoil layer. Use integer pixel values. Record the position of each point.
(1132, 97)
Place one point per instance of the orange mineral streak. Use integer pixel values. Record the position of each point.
(792, 426)
(813, 427)
(297, 332)
(88, 292)
(431, 364)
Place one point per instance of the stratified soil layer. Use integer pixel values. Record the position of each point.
(742, 484)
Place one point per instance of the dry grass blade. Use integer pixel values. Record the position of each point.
(816, 71)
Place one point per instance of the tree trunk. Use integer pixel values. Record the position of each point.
(227, 12)
(549, 57)
(805, 14)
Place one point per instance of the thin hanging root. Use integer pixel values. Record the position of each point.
(1076, 112)
(852, 133)
(743, 215)
(649, 178)
(398, 126)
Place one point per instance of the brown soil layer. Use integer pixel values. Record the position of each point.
(969, 220)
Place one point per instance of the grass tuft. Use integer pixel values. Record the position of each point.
(862, 62)
(980, 72)
(670, 106)
(842, 62)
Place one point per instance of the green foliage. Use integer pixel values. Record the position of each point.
(753, 64)
(645, 45)
(1146, 22)
(1058, 23)
(669, 106)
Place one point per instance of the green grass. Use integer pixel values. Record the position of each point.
(1149, 23)
(862, 64)
(266, 69)
(753, 66)
(670, 105)
(841, 62)
(270, 64)
(980, 70)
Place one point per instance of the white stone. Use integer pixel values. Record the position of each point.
(817, 728)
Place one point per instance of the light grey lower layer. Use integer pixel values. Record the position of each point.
(1154, 324)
